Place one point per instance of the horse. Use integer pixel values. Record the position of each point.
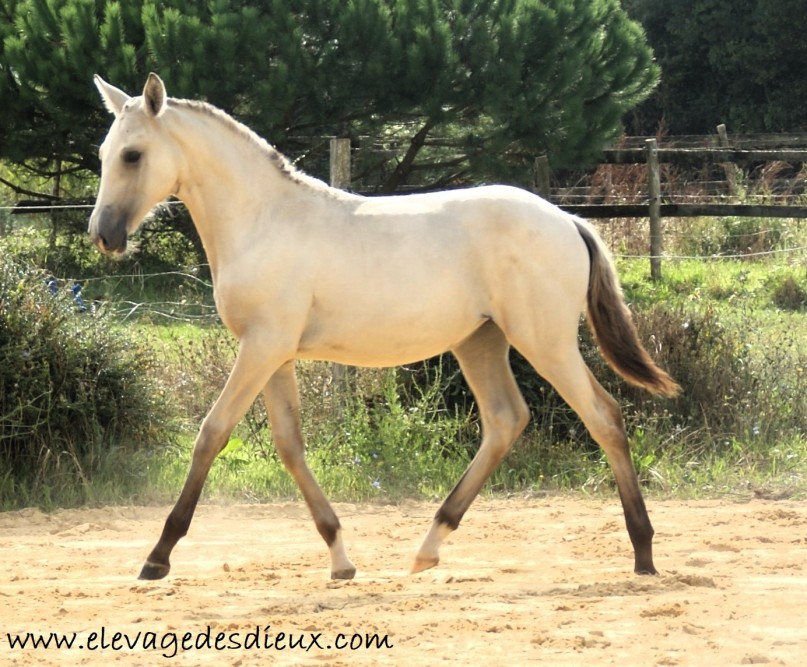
(302, 270)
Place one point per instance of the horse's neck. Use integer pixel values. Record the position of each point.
(228, 179)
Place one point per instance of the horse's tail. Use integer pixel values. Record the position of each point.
(612, 325)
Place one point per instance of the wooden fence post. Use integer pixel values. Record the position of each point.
(654, 192)
(728, 168)
(340, 163)
(541, 176)
(340, 178)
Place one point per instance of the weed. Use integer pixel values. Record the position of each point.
(789, 293)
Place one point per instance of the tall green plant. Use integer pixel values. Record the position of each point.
(506, 79)
(739, 62)
(72, 387)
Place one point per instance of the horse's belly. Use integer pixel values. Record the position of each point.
(392, 342)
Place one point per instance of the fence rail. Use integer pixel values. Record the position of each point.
(652, 207)
(655, 209)
(599, 211)
(696, 156)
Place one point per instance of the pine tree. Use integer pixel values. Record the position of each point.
(49, 51)
(460, 90)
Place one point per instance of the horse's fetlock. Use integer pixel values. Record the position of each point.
(176, 527)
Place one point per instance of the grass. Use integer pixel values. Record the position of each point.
(732, 331)
(762, 306)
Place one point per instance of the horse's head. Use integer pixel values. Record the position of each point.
(139, 163)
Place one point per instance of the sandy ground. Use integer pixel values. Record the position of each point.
(541, 580)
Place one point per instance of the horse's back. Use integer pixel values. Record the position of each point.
(465, 219)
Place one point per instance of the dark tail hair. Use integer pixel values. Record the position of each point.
(612, 325)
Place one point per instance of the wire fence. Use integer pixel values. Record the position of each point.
(177, 311)
(47, 208)
(717, 257)
(201, 310)
(43, 207)
(612, 183)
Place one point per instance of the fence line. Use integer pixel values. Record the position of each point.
(183, 274)
(130, 308)
(599, 211)
(31, 207)
(697, 156)
(653, 207)
(713, 257)
(168, 309)
(19, 209)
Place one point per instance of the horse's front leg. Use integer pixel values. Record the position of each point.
(254, 365)
(283, 408)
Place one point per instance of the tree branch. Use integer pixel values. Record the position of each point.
(404, 167)
(28, 193)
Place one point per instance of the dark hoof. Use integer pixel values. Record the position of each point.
(153, 571)
(347, 573)
(649, 571)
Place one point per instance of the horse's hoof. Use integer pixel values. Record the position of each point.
(645, 568)
(344, 573)
(152, 571)
(421, 564)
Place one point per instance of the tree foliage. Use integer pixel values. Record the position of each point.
(503, 80)
(739, 62)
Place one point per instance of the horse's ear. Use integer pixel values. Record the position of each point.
(113, 98)
(154, 95)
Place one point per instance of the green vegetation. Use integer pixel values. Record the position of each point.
(503, 80)
(737, 346)
(725, 62)
(77, 392)
(103, 406)
(731, 331)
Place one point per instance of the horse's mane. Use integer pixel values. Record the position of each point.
(280, 161)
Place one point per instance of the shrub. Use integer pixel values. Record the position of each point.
(382, 446)
(72, 387)
(734, 386)
(789, 293)
(164, 248)
(711, 361)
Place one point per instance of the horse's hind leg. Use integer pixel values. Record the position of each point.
(484, 361)
(251, 371)
(283, 407)
(565, 369)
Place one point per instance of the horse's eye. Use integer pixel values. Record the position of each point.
(132, 157)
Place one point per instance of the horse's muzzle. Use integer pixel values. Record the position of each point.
(108, 230)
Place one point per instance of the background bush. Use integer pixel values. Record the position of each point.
(58, 243)
(88, 403)
(73, 386)
(736, 386)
